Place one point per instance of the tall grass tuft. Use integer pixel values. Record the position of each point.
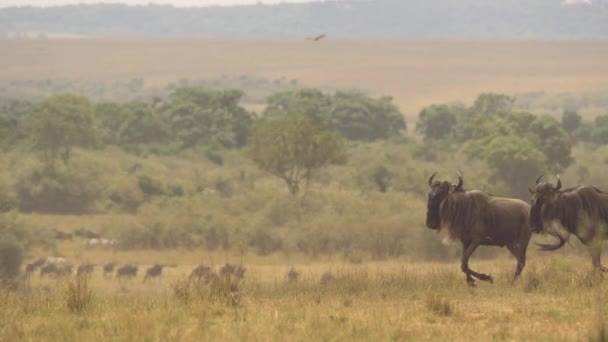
(79, 295)
(439, 306)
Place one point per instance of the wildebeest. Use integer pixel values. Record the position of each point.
(31, 267)
(200, 271)
(476, 218)
(85, 269)
(62, 236)
(101, 243)
(87, 234)
(108, 268)
(155, 270)
(582, 211)
(55, 266)
(127, 271)
(237, 271)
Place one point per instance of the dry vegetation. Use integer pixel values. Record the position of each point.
(556, 299)
(416, 73)
(364, 295)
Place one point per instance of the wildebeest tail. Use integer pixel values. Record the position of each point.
(550, 247)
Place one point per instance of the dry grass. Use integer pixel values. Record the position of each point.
(416, 73)
(395, 300)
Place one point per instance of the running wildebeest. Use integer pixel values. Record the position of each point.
(476, 218)
(127, 271)
(582, 211)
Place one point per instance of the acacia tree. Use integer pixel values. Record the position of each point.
(292, 147)
(61, 122)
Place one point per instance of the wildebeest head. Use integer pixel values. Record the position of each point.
(542, 194)
(439, 190)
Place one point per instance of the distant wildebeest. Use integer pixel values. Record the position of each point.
(476, 218)
(55, 266)
(31, 267)
(200, 271)
(101, 243)
(85, 269)
(87, 234)
(62, 236)
(155, 270)
(127, 271)
(232, 270)
(108, 268)
(582, 211)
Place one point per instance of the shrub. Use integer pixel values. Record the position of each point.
(59, 189)
(11, 256)
(150, 186)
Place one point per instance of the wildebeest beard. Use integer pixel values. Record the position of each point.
(433, 220)
(536, 221)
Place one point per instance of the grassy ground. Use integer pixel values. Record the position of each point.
(556, 299)
(415, 73)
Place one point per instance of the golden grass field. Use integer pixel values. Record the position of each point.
(556, 299)
(415, 73)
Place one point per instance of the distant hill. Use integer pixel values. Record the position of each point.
(413, 19)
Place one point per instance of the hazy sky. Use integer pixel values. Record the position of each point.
(7, 3)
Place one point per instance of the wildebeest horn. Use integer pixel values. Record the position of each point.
(431, 179)
(538, 179)
(460, 181)
(559, 183)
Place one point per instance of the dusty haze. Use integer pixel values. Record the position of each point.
(416, 73)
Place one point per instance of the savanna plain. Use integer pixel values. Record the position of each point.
(348, 258)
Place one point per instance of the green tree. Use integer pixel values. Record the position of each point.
(571, 121)
(358, 117)
(61, 122)
(292, 147)
(203, 116)
(438, 121)
(492, 104)
(553, 141)
(352, 114)
(143, 125)
(514, 161)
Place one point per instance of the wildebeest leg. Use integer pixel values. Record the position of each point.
(468, 248)
(519, 252)
(596, 255)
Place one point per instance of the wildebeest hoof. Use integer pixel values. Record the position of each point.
(490, 280)
(471, 283)
(603, 269)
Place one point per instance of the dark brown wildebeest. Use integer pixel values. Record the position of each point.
(29, 268)
(62, 236)
(56, 269)
(127, 271)
(108, 268)
(237, 271)
(200, 271)
(582, 211)
(155, 271)
(476, 218)
(87, 234)
(85, 269)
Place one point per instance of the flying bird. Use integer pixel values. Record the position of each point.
(317, 38)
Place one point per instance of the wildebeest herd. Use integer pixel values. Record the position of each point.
(477, 218)
(60, 267)
(473, 217)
